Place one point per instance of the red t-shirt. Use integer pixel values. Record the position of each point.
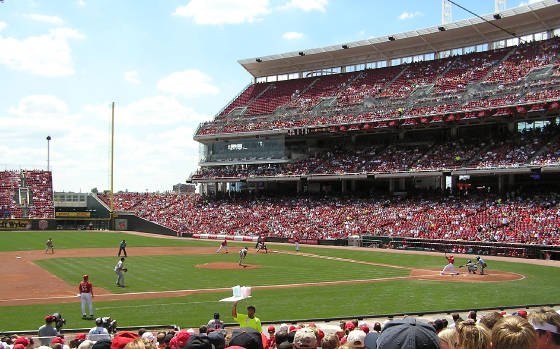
(451, 259)
(85, 287)
(224, 243)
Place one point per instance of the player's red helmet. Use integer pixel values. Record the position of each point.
(85, 277)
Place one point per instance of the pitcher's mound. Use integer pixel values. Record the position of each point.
(226, 266)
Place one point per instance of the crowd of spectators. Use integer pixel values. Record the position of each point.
(530, 147)
(36, 199)
(498, 79)
(534, 329)
(530, 219)
(124, 201)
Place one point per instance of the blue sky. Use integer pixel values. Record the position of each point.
(168, 65)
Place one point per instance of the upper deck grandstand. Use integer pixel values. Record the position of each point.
(474, 97)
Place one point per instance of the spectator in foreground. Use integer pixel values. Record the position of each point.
(215, 323)
(247, 337)
(471, 335)
(514, 332)
(330, 341)
(546, 322)
(98, 332)
(408, 333)
(448, 338)
(305, 339)
(246, 320)
(356, 340)
(47, 332)
(489, 320)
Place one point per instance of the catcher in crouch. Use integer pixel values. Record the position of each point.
(262, 246)
(471, 267)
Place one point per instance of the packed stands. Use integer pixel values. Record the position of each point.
(534, 147)
(457, 84)
(26, 194)
(124, 201)
(39, 183)
(530, 218)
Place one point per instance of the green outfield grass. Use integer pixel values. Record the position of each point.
(176, 272)
(35, 240)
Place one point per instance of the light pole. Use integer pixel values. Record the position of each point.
(48, 153)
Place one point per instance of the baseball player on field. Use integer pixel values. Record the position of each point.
(243, 254)
(122, 248)
(223, 245)
(262, 246)
(481, 263)
(86, 295)
(450, 267)
(119, 269)
(471, 267)
(50, 245)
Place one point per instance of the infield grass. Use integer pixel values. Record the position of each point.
(178, 272)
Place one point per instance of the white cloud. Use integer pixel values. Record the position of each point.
(154, 148)
(3, 25)
(37, 115)
(308, 5)
(188, 83)
(132, 77)
(409, 15)
(81, 3)
(158, 110)
(224, 11)
(45, 19)
(292, 35)
(46, 55)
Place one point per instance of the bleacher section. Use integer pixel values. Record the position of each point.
(536, 147)
(530, 218)
(26, 194)
(524, 75)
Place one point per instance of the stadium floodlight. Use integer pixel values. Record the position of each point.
(391, 38)
(441, 29)
(258, 60)
(497, 16)
(345, 46)
(301, 53)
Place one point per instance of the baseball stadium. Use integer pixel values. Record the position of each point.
(414, 175)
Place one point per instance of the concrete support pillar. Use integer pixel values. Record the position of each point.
(343, 185)
(402, 184)
(511, 180)
(511, 127)
(453, 132)
(391, 185)
(299, 187)
(454, 180)
(401, 134)
(500, 184)
(353, 186)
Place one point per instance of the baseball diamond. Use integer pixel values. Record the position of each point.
(374, 269)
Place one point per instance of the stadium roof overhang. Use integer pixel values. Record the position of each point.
(523, 20)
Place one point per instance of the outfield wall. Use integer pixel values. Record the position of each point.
(455, 246)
